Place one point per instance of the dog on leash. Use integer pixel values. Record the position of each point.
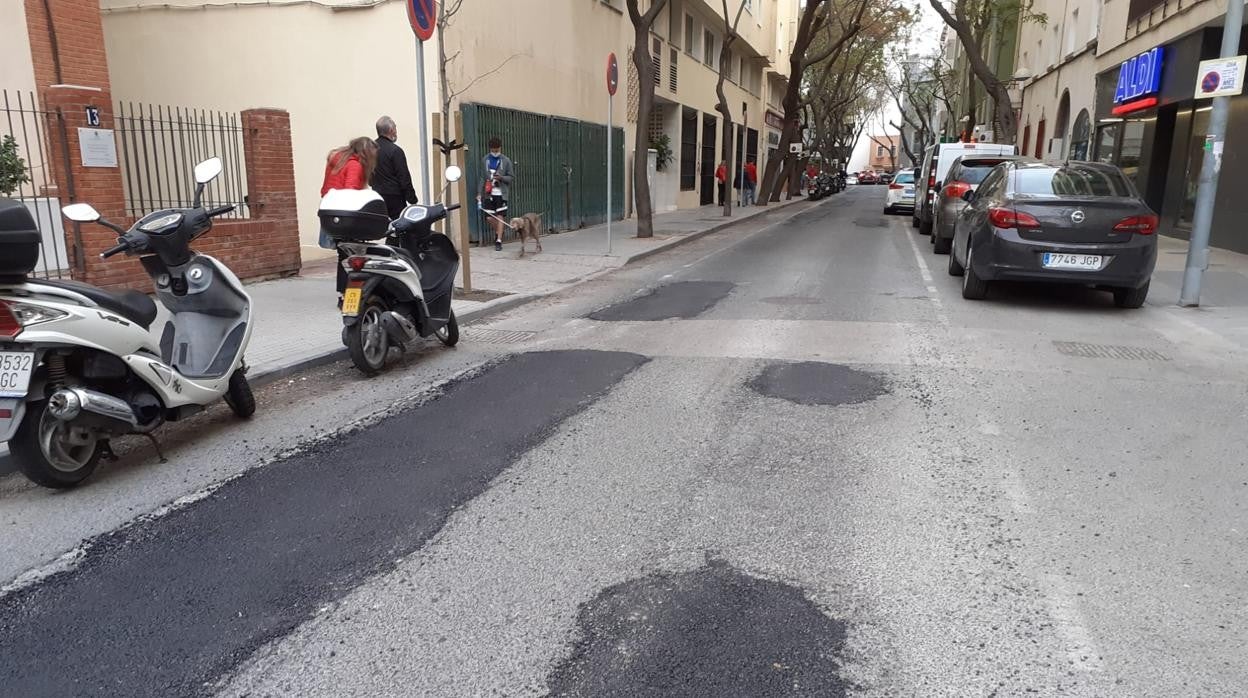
(528, 225)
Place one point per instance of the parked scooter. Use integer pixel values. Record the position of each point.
(397, 292)
(80, 365)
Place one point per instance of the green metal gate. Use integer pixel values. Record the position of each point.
(560, 166)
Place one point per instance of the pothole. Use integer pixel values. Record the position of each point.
(683, 299)
(817, 383)
(714, 631)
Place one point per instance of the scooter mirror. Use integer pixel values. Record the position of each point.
(81, 213)
(453, 173)
(207, 170)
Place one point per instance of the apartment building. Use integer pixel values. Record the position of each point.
(530, 70)
(1056, 59)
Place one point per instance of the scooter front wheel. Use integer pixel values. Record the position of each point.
(367, 341)
(52, 453)
(449, 335)
(238, 395)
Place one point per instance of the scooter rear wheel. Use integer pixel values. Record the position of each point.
(367, 341)
(50, 453)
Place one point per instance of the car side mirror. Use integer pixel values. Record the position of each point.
(968, 196)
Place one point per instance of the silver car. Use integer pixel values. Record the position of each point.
(964, 175)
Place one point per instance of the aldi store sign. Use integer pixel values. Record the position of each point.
(1139, 81)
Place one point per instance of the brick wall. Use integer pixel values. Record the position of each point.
(264, 245)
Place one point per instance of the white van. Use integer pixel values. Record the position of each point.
(936, 164)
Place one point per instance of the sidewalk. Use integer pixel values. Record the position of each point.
(297, 324)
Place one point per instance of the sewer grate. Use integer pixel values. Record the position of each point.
(486, 335)
(1109, 351)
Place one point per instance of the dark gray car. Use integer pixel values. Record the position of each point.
(1077, 222)
(964, 175)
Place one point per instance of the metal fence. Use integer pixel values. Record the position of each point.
(159, 147)
(26, 173)
(560, 166)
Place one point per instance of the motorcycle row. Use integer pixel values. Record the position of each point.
(825, 184)
(81, 365)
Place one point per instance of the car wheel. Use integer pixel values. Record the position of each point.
(955, 269)
(914, 220)
(1130, 297)
(973, 287)
(941, 245)
(888, 210)
(925, 226)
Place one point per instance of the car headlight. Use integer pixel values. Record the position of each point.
(30, 314)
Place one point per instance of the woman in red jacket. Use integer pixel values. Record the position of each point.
(348, 167)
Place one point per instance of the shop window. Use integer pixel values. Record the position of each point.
(1106, 139)
(1195, 163)
(1131, 149)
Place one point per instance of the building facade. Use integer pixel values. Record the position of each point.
(336, 65)
(1154, 126)
(1056, 59)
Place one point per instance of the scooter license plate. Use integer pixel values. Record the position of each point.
(351, 301)
(16, 367)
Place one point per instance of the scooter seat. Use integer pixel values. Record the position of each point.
(134, 306)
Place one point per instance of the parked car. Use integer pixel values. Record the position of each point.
(900, 194)
(851, 179)
(885, 178)
(866, 177)
(964, 175)
(936, 164)
(1075, 222)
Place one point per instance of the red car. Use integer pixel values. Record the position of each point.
(867, 177)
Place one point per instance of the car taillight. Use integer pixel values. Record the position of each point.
(356, 263)
(9, 326)
(955, 190)
(894, 185)
(1009, 218)
(1140, 225)
(931, 181)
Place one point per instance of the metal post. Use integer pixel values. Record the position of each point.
(1202, 221)
(610, 99)
(423, 111)
(744, 147)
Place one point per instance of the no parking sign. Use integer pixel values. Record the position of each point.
(1220, 77)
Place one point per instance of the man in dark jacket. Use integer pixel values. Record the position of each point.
(391, 177)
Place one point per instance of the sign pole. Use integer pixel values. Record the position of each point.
(1202, 220)
(745, 120)
(423, 109)
(613, 81)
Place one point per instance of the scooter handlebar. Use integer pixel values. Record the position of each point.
(121, 246)
(452, 207)
(218, 211)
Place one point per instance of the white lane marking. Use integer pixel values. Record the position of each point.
(933, 294)
(1058, 594)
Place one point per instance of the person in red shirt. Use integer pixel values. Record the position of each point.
(751, 183)
(348, 167)
(721, 176)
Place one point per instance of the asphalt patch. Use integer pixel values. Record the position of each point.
(816, 383)
(167, 606)
(682, 299)
(711, 632)
(870, 222)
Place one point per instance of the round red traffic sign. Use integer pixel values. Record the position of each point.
(613, 74)
(423, 16)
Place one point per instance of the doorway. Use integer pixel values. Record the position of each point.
(708, 160)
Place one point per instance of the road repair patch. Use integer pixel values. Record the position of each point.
(714, 631)
(817, 383)
(680, 300)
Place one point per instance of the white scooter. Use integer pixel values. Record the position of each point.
(80, 364)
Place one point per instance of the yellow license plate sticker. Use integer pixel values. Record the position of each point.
(351, 301)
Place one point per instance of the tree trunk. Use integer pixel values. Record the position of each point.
(641, 142)
(979, 66)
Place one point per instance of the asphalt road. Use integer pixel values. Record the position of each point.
(787, 459)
